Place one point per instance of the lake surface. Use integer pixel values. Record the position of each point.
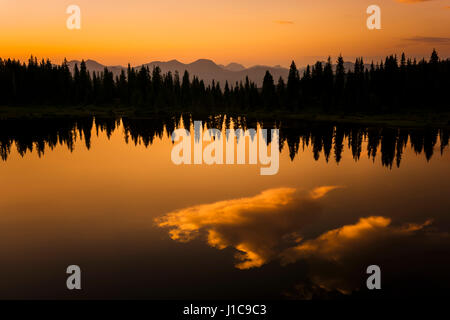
(104, 194)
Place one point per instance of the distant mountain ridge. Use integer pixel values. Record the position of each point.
(233, 66)
(206, 70)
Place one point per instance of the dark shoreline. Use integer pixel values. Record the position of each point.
(410, 119)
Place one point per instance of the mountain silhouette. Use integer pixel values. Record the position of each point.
(206, 70)
(234, 67)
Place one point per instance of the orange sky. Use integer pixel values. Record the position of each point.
(245, 31)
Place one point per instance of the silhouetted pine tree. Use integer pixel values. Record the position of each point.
(281, 93)
(388, 86)
(268, 92)
(339, 82)
(293, 87)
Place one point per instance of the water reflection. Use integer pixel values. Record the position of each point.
(117, 206)
(269, 226)
(337, 255)
(326, 139)
(258, 227)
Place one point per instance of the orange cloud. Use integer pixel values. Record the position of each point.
(254, 226)
(272, 225)
(337, 257)
(283, 22)
(319, 192)
(429, 40)
(412, 1)
(334, 243)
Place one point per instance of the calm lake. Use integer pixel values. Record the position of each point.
(105, 195)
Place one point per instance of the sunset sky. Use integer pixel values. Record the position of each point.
(245, 31)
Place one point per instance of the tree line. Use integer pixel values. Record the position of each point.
(324, 140)
(388, 86)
